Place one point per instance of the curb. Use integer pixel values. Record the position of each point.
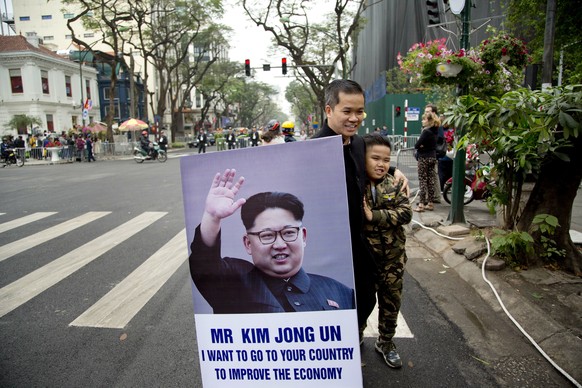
(560, 344)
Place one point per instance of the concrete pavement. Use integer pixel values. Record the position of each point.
(546, 304)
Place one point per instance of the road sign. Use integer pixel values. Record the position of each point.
(412, 114)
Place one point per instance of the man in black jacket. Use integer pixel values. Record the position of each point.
(344, 108)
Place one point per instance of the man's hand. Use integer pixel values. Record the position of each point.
(220, 204)
(401, 179)
(220, 201)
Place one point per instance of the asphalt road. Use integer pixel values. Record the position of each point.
(51, 277)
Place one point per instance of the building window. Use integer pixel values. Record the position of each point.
(50, 125)
(16, 81)
(25, 18)
(68, 88)
(50, 37)
(106, 93)
(88, 88)
(68, 36)
(69, 15)
(44, 81)
(88, 35)
(198, 100)
(46, 17)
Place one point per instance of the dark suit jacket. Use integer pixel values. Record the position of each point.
(232, 285)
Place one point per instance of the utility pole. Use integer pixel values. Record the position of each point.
(549, 33)
(457, 215)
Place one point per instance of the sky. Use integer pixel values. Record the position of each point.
(248, 42)
(252, 42)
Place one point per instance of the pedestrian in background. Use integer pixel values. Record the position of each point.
(254, 137)
(89, 146)
(440, 135)
(163, 141)
(202, 139)
(426, 158)
(231, 140)
(386, 211)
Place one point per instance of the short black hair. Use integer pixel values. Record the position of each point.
(347, 86)
(372, 139)
(258, 203)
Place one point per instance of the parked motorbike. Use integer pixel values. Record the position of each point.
(156, 153)
(476, 182)
(12, 156)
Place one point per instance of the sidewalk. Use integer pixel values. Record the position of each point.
(548, 305)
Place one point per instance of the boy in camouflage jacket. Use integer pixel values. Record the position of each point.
(386, 210)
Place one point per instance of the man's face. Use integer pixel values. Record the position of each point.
(278, 259)
(347, 115)
(377, 161)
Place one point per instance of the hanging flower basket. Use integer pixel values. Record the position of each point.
(503, 49)
(449, 69)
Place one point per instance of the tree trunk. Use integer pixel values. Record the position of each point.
(554, 194)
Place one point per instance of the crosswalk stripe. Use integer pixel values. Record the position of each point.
(24, 220)
(27, 287)
(125, 300)
(402, 329)
(21, 245)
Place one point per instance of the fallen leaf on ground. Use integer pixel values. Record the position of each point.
(123, 337)
(443, 272)
(410, 364)
(536, 295)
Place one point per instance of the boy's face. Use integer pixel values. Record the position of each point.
(377, 161)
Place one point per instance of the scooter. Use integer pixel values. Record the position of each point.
(12, 156)
(156, 153)
(476, 181)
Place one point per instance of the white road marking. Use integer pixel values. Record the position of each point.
(125, 300)
(24, 220)
(21, 245)
(27, 287)
(402, 329)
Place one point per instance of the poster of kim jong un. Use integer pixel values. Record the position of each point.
(270, 265)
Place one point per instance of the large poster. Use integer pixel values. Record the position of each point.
(271, 267)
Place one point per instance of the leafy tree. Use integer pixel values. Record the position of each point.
(527, 20)
(316, 49)
(531, 134)
(21, 123)
(107, 16)
(302, 100)
(216, 81)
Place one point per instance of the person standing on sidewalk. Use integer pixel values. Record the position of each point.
(344, 108)
(426, 156)
(89, 145)
(386, 210)
(202, 139)
(440, 134)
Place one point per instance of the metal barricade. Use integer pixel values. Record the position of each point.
(406, 162)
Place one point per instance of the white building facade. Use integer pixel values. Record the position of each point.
(35, 81)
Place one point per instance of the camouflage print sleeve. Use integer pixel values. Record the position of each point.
(392, 207)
